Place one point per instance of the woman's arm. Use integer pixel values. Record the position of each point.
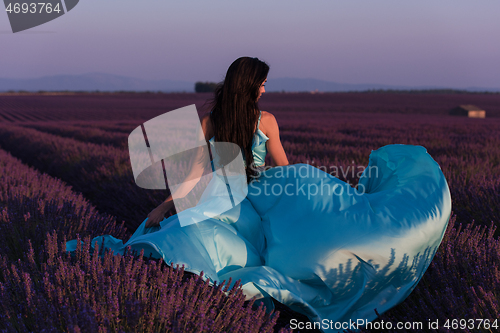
(198, 164)
(273, 145)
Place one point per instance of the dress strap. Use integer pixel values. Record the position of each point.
(258, 121)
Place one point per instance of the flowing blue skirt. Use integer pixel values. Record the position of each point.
(313, 242)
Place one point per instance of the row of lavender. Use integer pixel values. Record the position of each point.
(469, 158)
(101, 173)
(40, 107)
(466, 150)
(34, 204)
(90, 292)
(143, 106)
(463, 273)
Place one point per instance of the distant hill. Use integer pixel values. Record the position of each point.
(94, 81)
(109, 82)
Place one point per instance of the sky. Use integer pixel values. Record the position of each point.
(448, 43)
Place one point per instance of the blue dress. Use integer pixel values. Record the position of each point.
(310, 240)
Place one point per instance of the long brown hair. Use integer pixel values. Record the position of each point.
(235, 111)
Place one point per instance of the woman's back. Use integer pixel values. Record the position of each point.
(265, 140)
(259, 149)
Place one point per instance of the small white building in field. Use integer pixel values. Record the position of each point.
(468, 110)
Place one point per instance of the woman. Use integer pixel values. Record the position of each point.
(300, 235)
(239, 120)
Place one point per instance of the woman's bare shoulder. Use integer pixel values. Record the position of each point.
(266, 115)
(268, 124)
(268, 120)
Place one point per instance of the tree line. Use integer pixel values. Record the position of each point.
(200, 87)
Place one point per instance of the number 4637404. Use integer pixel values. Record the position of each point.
(34, 7)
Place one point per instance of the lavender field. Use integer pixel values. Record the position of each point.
(65, 172)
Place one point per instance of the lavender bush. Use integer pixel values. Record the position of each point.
(89, 134)
(32, 204)
(111, 126)
(52, 292)
(102, 173)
